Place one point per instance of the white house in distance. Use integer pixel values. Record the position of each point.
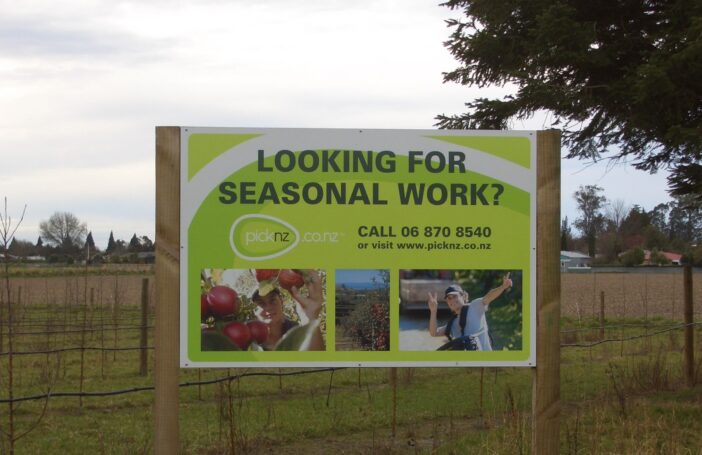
(574, 260)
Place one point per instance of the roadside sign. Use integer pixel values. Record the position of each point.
(311, 247)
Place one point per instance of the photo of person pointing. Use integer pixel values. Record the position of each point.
(468, 327)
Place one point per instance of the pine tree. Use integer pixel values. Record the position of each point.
(566, 235)
(89, 242)
(620, 78)
(134, 244)
(39, 247)
(111, 244)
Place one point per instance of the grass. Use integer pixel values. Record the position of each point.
(616, 398)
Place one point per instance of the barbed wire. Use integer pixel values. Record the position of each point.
(77, 328)
(616, 326)
(60, 332)
(49, 395)
(253, 374)
(62, 308)
(76, 348)
(72, 321)
(56, 325)
(633, 337)
(93, 348)
(61, 319)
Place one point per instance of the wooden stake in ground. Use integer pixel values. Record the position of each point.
(393, 382)
(546, 405)
(143, 353)
(102, 333)
(82, 343)
(689, 333)
(482, 412)
(115, 318)
(602, 315)
(621, 345)
(166, 342)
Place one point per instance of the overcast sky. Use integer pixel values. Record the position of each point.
(83, 84)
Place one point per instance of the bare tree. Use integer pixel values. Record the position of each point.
(63, 229)
(590, 202)
(7, 233)
(615, 212)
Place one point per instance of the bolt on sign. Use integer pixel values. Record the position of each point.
(342, 247)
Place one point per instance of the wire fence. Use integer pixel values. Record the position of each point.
(227, 378)
(78, 348)
(113, 327)
(62, 332)
(664, 328)
(629, 338)
(279, 374)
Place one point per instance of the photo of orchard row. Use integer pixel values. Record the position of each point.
(285, 310)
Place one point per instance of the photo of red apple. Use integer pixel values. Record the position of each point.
(222, 301)
(259, 331)
(289, 278)
(266, 274)
(239, 333)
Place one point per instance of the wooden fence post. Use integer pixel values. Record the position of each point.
(602, 315)
(143, 353)
(546, 406)
(81, 379)
(393, 383)
(166, 339)
(689, 332)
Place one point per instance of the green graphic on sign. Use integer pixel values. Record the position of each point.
(357, 247)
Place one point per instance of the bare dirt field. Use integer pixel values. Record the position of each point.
(106, 290)
(628, 295)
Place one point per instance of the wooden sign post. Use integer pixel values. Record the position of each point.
(546, 377)
(166, 366)
(546, 406)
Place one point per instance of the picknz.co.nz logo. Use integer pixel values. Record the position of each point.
(267, 236)
(259, 237)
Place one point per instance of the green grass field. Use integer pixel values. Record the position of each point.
(617, 397)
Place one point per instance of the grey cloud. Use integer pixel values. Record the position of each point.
(37, 38)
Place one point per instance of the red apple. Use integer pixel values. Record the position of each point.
(266, 274)
(222, 301)
(239, 333)
(259, 331)
(204, 307)
(289, 278)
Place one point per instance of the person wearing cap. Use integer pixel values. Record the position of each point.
(271, 309)
(475, 325)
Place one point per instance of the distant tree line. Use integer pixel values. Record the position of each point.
(64, 238)
(613, 233)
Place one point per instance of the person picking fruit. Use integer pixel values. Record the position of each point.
(271, 305)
